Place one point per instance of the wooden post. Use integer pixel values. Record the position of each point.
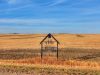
(41, 50)
(57, 51)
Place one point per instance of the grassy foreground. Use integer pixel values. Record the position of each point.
(41, 70)
(71, 62)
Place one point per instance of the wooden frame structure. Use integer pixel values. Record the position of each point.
(49, 36)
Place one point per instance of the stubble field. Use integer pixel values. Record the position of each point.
(79, 54)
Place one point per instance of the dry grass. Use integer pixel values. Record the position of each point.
(76, 51)
(43, 70)
(53, 62)
(24, 41)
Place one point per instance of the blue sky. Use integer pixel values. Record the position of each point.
(50, 16)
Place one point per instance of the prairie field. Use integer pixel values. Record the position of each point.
(79, 54)
(32, 41)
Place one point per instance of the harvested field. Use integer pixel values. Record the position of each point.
(17, 41)
(22, 70)
(79, 54)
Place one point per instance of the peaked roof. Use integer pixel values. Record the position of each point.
(49, 36)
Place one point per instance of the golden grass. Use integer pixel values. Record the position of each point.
(32, 41)
(12, 41)
(53, 63)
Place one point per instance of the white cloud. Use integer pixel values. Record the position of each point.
(13, 5)
(15, 8)
(52, 21)
(56, 2)
(12, 1)
(29, 21)
(17, 2)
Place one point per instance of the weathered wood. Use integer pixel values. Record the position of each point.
(41, 51)
(57, 50)
(48, 47)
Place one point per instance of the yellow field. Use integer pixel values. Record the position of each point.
(77, 51)
(32, 41)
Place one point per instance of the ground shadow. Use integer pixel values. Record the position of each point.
(88, 57)
(66, 54)
(19, 54)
